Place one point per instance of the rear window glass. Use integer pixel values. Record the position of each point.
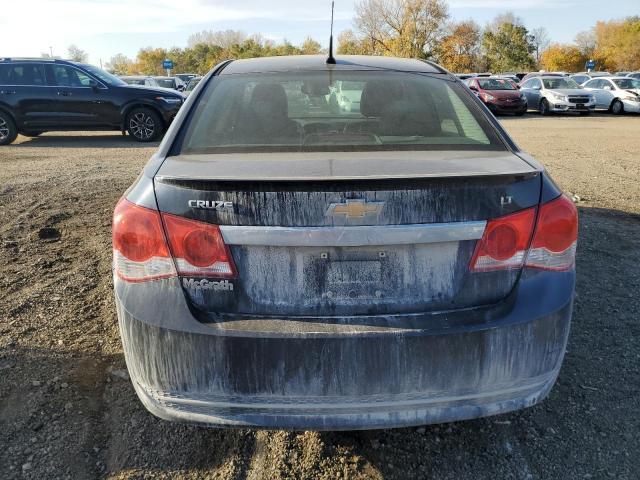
(166, 82)
(335, 111)
(22, 74)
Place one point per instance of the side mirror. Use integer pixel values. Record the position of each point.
(607, 87)
(473, 87)
(181, 88)
(536, 87)
(93, 84)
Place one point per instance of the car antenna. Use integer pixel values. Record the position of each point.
(330, 59)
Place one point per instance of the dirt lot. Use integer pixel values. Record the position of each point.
(67, 409)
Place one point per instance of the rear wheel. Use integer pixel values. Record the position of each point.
(616, 107)
(8, 130)
(144, 124)
(544, 107)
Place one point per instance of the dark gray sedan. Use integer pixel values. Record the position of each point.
(285, 263)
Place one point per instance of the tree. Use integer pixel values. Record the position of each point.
(508, 48)
(310, 47)
(403, 28)
(586, 42)
(459, 50)
(617, 44)
(350, 44)
(540, 41)
(149, 61)
(120, 64)
(77, 55)
(221, 38)
(567, 58)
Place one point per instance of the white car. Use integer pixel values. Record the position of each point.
(616, 94)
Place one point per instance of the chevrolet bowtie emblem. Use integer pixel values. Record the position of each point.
(355, 209)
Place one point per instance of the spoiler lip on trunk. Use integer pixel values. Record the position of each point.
(344, 166)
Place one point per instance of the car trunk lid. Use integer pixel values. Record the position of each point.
(311, 235)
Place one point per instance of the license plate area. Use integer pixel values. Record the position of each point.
(354, 273)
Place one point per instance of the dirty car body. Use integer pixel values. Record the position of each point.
(284, 263)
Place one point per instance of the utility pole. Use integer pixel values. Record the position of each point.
(51, 52)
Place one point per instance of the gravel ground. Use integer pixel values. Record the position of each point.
(67, 409)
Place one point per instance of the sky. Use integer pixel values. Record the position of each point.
(104, 28)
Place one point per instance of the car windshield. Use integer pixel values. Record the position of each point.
(304, 111)
(166, 82)
(627, 83)
(106, 77)
(496, 84)
(559, 83)
(192, 84)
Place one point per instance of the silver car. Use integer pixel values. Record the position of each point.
(616, 94)
(550, 94)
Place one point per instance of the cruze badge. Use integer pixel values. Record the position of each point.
(354, 211)
(211, 205)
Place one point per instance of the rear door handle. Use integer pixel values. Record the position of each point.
(64, 93)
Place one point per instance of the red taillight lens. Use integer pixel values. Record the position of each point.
(505, 242)
(555, 239)
(139, 249)
(198, 248)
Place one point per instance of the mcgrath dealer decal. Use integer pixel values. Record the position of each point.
(204, 284)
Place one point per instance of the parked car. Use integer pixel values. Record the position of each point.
(500, 95)
(174, 83)
(140, 80)
(39, 95)
(185, 77)
(400, 266)
(616, 94)
(550, 94)
(635, 75)
(192, 84)
(465, 76)
(581, 78)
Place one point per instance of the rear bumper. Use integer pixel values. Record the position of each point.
(308, 378)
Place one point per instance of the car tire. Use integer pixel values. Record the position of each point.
(544, 107)
(8, 130)
(144, 124)
(617, 108)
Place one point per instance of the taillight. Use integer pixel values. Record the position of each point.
(198, 248)
(504, 242)
(140, 252)
(555, 239)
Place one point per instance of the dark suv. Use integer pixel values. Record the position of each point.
(38, 95)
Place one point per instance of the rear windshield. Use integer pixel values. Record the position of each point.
(496, 84)
(335, 111)
(166, 82)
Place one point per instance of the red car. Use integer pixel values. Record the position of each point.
(500, 95)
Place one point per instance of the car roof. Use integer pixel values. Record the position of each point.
(319, 62)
